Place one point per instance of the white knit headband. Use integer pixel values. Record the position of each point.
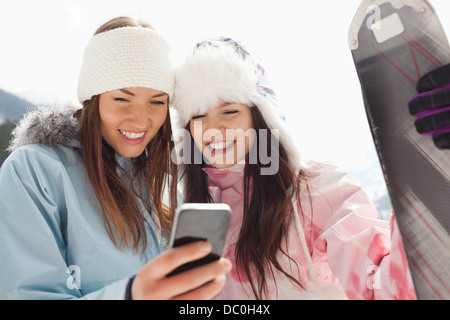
(124, 58)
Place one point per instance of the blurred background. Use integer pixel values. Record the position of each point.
(303, 46)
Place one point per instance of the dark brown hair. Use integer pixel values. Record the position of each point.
(267, 208)
(152, 173)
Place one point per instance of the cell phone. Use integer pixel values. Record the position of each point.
(200, 222)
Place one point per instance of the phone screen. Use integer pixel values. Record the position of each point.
(200, 222)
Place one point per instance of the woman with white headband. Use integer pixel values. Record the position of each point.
(298, 230)
(81, 209)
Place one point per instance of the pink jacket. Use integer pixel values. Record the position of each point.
(342, 247)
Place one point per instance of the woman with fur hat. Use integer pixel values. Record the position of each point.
(81, 209)
(298, 230)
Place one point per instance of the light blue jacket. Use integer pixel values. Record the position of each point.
(53, 241)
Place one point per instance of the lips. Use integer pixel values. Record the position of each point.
(220, 147)
(132, 137)
(221, 144)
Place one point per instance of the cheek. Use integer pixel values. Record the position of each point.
(196, 133)
(244, 129)
(156, 119)
(108, 118)
(161, 118)
(249, 121)
(243, 122)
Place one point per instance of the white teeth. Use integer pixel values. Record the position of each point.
(132, 135)
(221, 145)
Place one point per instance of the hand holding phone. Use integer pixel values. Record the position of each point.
(151, 281)
(200, 222)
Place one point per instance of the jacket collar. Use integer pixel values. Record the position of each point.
(223, 179)
(47, 125)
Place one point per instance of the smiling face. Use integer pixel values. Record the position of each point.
(224, 134)
(131, 117)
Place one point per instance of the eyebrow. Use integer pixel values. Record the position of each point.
(132, 94)
(160, 95)
(224, 104)
(127, 92)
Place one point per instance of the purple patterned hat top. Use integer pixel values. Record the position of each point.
(243, 53)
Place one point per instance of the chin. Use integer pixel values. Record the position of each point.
(131, 154)
(222, 165)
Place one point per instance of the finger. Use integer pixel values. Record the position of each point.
(442, 141)
(205, 292)
(194, 278)
(194, 264)
(429, 101)
(434, 124)
(434, 79)
(175, 257)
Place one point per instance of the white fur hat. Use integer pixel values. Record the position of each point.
(123, 58)
(223, 69)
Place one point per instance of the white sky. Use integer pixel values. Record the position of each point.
(303, 45)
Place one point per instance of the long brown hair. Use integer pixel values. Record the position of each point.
(267, 208)
(152, 172)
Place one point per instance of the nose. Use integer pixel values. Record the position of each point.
(214, 123)
(139, 116)
(214, 129)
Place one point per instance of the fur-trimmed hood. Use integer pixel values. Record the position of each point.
(47, 125)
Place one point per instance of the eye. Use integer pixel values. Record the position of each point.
(120, 99)
(160, 103)
(198, 117)
(231, 112)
